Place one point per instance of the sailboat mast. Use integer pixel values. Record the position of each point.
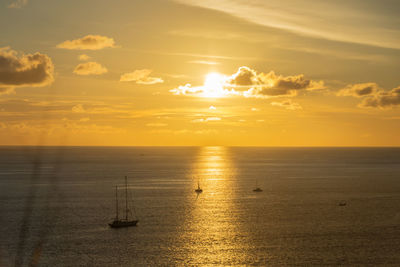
(116, 201)
(126, 198)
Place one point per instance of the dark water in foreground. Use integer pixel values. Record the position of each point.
(296, 220)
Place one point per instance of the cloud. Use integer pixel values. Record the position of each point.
(156, 124)
(24, 70)
(83, 57)
(90, 68)
(270, 84)
(78, 109)
(288, 104)
(18, 4)
(141, 77)
(373, 96)
(209, 119)
(6, 91)
(383, 99)
(85, 119)
(348, 22)
(360, 90)
(247, 82)
(204, 62)
(89, 42)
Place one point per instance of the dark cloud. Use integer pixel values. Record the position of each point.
(24, 70)
(373, 96)
(270, 84)
(383, 99)
(360, 90)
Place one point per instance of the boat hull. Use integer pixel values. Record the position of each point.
(120, 224)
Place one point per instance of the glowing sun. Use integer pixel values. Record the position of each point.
(214, 85)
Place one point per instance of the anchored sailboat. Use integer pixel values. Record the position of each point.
(257, 189)
(127, 220)
(198, 190)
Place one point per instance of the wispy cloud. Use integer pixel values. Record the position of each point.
(287, 104)
(209, 119)
(349, 22)
(156, 124)
(18, 4)
(204, 62)
(88, 42)
(141, 77)
(209, 34)
(6, 91)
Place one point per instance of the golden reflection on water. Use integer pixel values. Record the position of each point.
(210, 231)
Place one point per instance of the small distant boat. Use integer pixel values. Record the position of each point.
(257, 189)
(128, 220)
(342, 203)
(198, 189)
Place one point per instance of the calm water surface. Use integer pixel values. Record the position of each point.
(55, 212)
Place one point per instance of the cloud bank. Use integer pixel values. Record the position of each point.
(21, 70)
(88, 42)
(140, 77)
(90, 68)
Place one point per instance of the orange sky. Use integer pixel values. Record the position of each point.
(185, 72)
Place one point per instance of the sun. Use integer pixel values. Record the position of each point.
(214, 85)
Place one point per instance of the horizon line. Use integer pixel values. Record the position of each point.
(127, 146)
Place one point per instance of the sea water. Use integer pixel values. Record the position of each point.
(56, 203)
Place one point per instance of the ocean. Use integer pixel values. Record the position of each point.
(56, 203)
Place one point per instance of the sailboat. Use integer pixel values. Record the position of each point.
(127, 220)
(198, 189)
(257, 189)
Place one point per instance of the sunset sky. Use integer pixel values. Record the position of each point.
(190, 72)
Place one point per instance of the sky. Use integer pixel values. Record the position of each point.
(200, 73)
